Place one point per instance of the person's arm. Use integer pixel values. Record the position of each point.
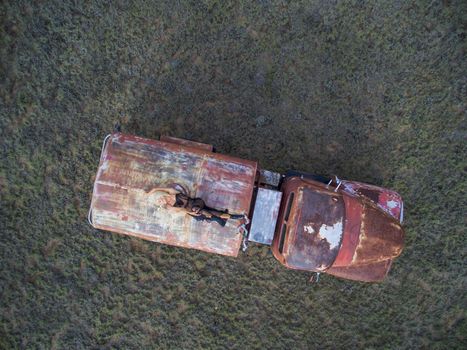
(168, 190)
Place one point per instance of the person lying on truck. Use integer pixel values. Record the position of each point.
(168, 197)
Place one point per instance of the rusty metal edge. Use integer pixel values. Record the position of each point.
(177, 147)
(104, 144)
(188, 143)
(152, 239)
(378, 272)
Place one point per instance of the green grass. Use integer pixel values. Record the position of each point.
(372, 92)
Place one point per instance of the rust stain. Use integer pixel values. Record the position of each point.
(381, 237)
(366, 273)
(130, 166)
(351, 236)
(372, 239)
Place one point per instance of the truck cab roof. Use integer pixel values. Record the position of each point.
(310, 225)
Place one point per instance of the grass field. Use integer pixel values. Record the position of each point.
(371, 92)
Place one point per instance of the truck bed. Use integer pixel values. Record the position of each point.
(131, 166)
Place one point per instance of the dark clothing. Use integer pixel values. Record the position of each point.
(198, 209)
(202, 217)
(190, 204)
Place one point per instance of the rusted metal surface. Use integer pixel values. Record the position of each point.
(314, 226)
(351, 236)
(188, 143)
(370, 237)
(373, 235)
(351, 230)
(130, 166)
(366, 273)
(387, 200)
(269, 178)
(265, 213)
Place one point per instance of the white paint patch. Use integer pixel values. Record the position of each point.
(332, 234)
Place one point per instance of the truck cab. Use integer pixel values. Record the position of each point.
(326, 228)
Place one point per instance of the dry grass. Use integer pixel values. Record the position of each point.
(372, 92)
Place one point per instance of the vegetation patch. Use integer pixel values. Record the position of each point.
(370, 92)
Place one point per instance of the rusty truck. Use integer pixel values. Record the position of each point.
(344, 228)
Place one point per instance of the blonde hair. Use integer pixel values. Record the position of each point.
(159, 196)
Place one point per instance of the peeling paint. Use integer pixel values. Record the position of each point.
(314, 226)
(332, 234)
(389, 201)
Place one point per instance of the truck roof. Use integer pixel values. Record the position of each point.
(312, 222)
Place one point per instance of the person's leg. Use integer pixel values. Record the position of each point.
(201, 217)
(223, 214)
(219, 220)
(237, 216)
